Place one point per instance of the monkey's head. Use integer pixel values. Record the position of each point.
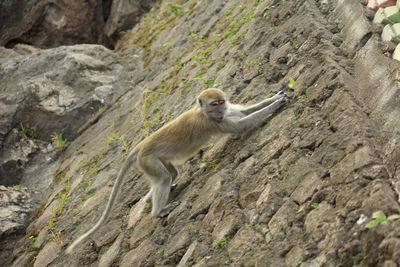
(212, 104)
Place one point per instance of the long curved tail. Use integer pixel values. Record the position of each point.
(128, 162)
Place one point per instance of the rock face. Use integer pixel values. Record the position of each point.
(297, 191)
(124, 14)
(48, 92)
(51, 23)
(15, 207)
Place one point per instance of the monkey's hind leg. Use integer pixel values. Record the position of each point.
(147, 198)
(160, 195)
(160, 177)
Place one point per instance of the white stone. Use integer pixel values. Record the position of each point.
(396, 53)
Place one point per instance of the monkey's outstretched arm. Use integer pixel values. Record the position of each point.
(240, 125)
(253, 108)
(128, 162)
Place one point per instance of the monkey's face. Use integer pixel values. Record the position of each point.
(212, 103)
(216, 110)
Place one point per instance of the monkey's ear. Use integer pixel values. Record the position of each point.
(199, 101)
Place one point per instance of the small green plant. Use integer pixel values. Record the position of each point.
(56, 236)
(199, 258)
(24, 130)
(148, 206)
(68, 186)
(17, 186)
(101, 108)
(214, 163)
(58, 140)
(125, 146)
(202, 56)
(51, 224)
(266, 9)
(177, 9)
(28, 132)
(54, 211)
(196, 36)
(209, 82)
(80, 204)
(380, 217)
(229, 11)
(63, 198)
(89, 181)
(221, 242)
(33, 237)
(251, 63)
(110, 139)
(314, 205)
(249, 227)
(292, 83)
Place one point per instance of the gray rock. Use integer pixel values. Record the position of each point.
(23, 260)
(15, 206)
(47, 254)
(124, 15)
(108, 257)
(139, 255)
(50, 23)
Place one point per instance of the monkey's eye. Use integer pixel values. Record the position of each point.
(217, 103)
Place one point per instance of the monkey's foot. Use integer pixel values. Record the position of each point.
(167, 210)
(147, 198)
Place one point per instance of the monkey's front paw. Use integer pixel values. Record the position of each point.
(284, 100)
(281, 93)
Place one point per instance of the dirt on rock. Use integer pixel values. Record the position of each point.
(297, 191)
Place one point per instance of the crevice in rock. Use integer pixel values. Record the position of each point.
(363, 41)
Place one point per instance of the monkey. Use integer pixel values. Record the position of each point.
(178, 140)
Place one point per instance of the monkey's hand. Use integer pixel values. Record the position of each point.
(282, 94)
(283, 97)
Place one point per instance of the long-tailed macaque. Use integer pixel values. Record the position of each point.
(182, 138)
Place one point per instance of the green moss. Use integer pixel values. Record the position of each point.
(214, 163)
(251, 63)
(176, 9)
(209, 82)
(221, 242)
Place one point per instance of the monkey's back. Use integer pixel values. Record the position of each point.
(179, 139)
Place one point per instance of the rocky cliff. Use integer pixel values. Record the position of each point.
(297, 191)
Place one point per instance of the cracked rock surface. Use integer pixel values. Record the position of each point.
(297, 191)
